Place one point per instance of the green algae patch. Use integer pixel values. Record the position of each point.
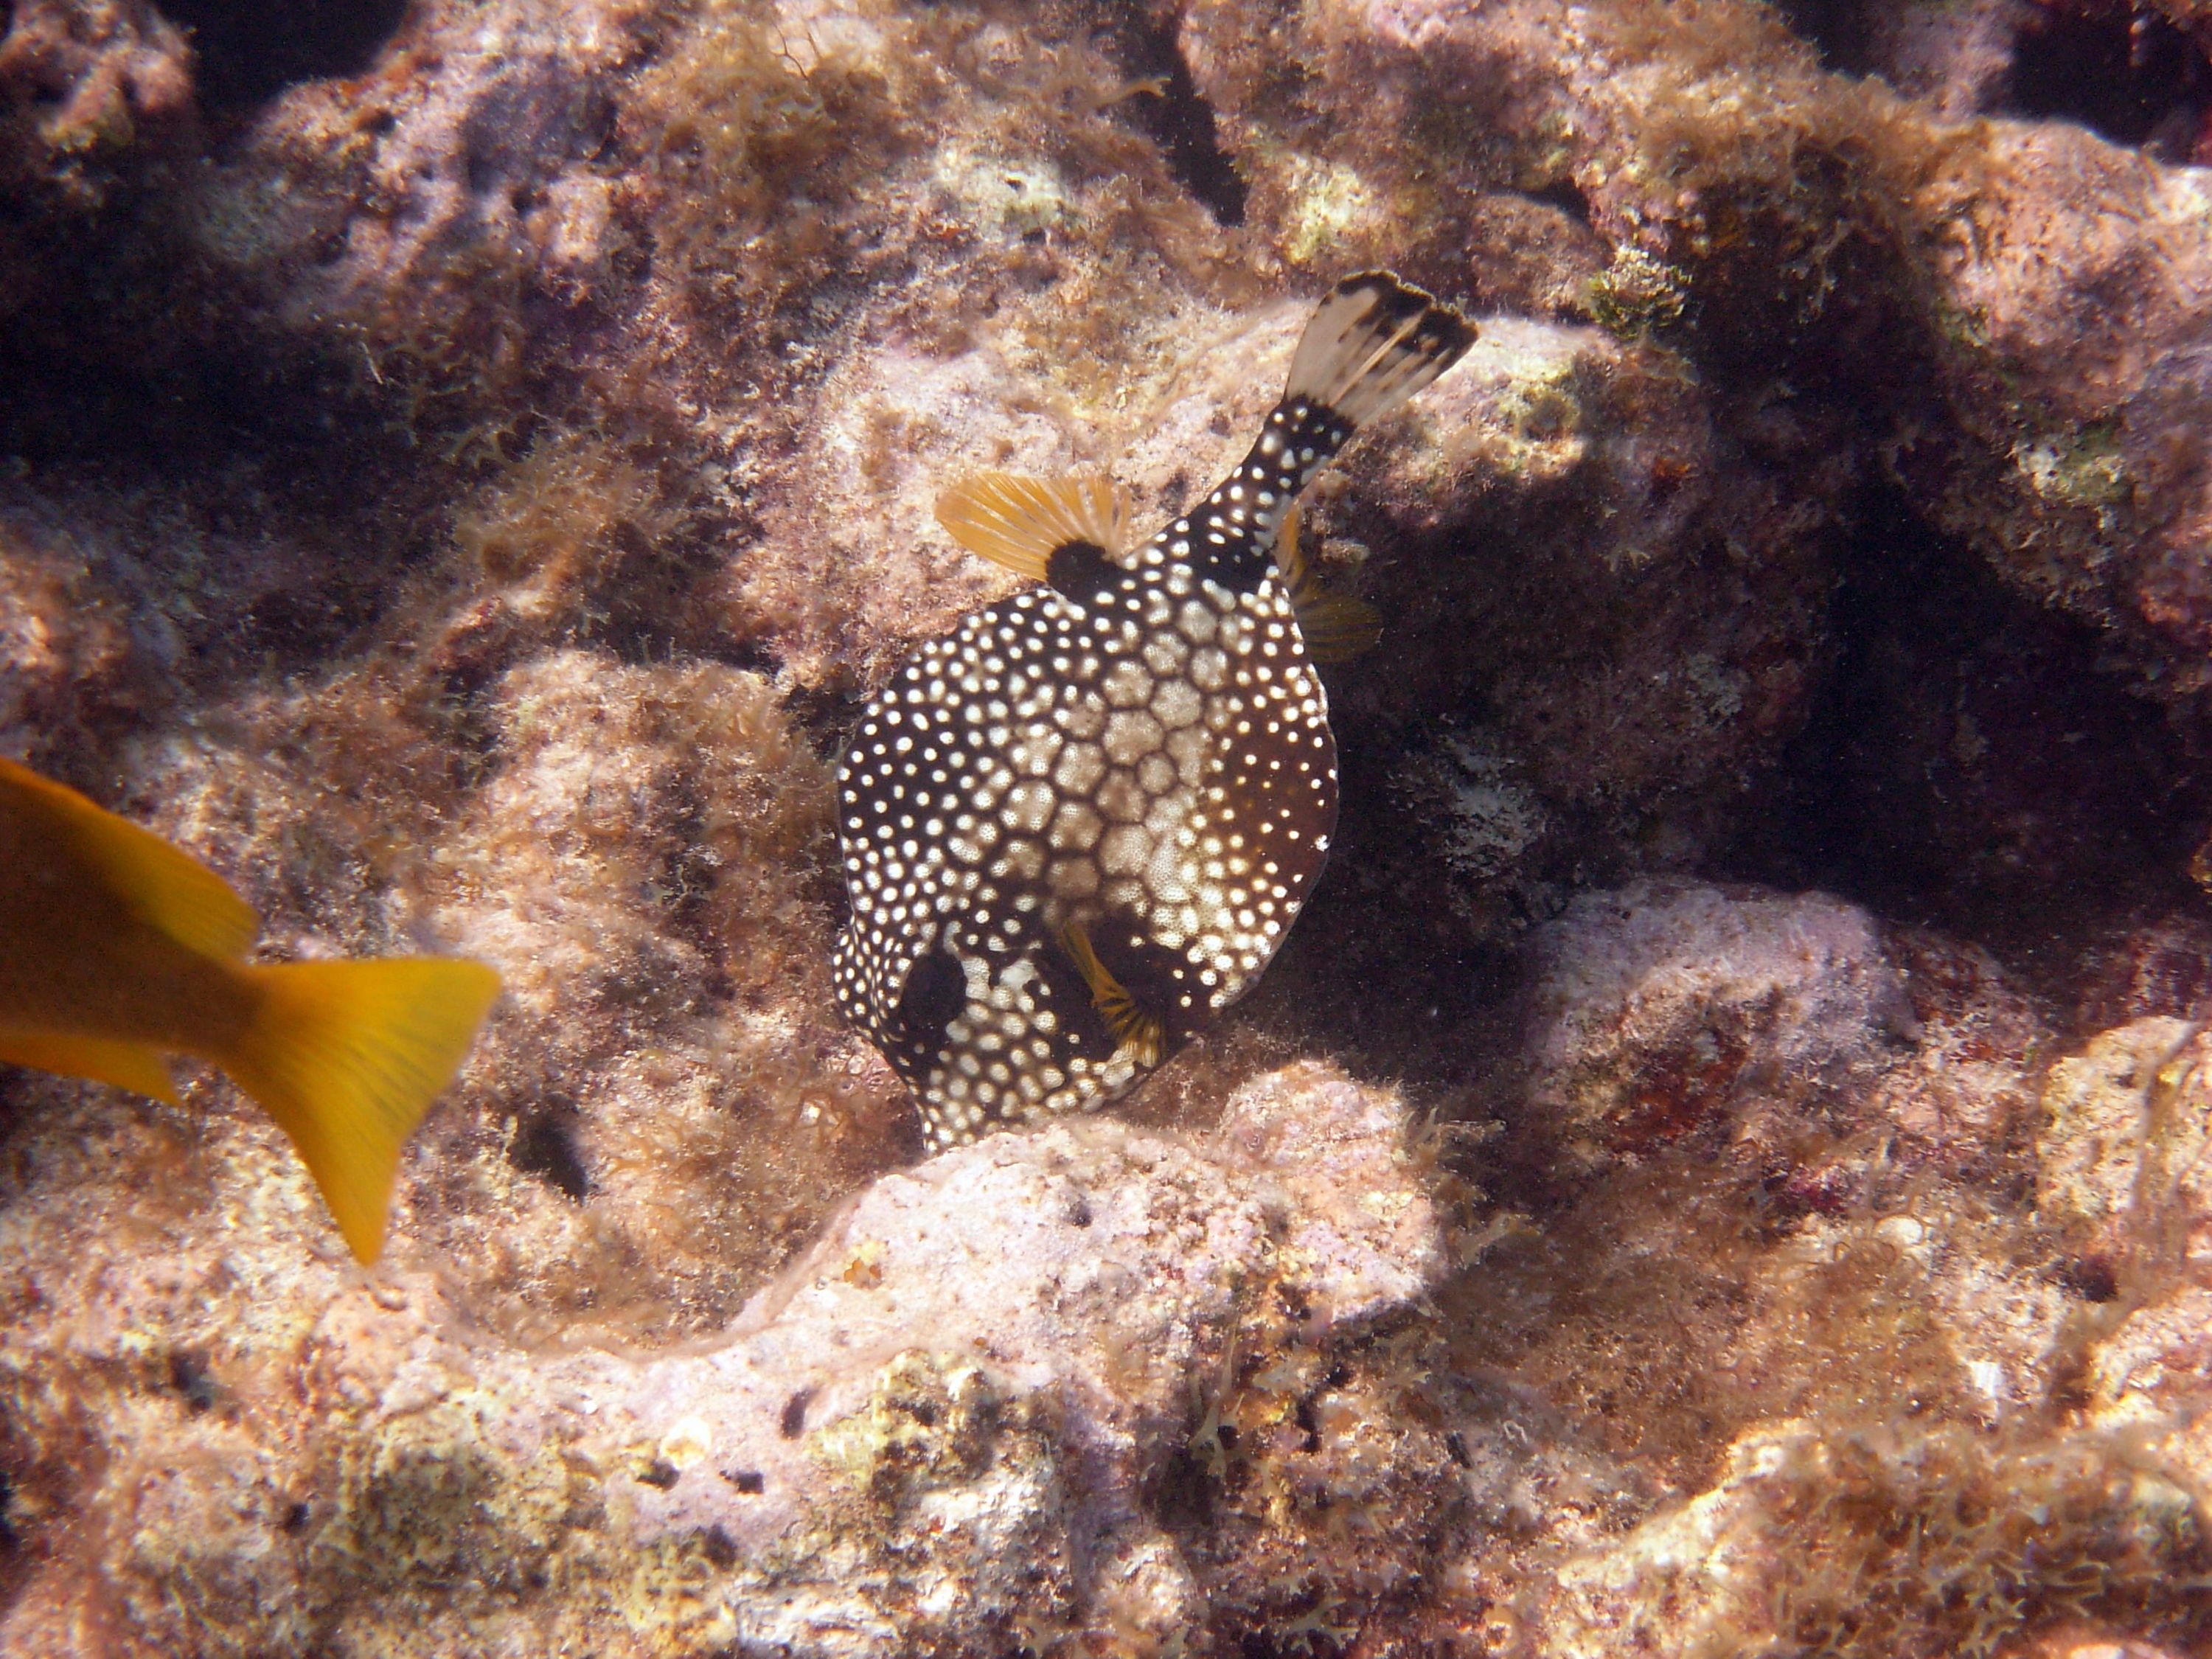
(1638, 294)
(2082, 469)
(931, 1421)
(441, 1493)
(1331, 205)
(1008, 197)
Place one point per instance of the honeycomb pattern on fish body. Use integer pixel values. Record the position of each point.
(1139, 751)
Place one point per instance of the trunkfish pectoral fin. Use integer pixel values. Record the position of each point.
(1141, 1036)
(1337, 627)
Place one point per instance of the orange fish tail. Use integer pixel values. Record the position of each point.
(347, 1057)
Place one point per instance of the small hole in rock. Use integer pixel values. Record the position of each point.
(190, 1376)
(545, 1145)
(793, 1423)
(1566, 196)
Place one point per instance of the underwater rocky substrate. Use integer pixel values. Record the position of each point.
(1717, 1167)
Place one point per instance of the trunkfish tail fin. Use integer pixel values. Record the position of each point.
(1371, 344)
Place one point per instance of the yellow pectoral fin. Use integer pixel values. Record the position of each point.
(167, 887)
(1290, 557)
(1019, 522)
(1335, 627)
(131, 1066)
(347, 1056)
(1140, 1034)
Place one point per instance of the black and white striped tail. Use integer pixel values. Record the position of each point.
(1372, 344)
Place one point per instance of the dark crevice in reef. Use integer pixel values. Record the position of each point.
(1974, 762)
(125, 344)
(178, 412)
(545, 1145)
(1179, 119)
(2123, 71)
(249, 50)
(1838, 27)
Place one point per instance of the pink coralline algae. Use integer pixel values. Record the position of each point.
(1658, 1005)
(1718, 1166)
(949, 1414)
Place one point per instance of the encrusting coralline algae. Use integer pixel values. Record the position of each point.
(1715, 1169)
(938, 1424)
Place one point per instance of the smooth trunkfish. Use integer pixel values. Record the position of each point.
(1077, 828)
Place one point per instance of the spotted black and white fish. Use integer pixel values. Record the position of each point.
(1077, 827)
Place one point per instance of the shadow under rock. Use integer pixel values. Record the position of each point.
(1976, 764)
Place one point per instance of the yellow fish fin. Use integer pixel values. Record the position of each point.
(1019, 522)
(347, 1056)
(1134, 1029)
(131, 1066)
(1290, 558)
(167, 887)
(1336, 627)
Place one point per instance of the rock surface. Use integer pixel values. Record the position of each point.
(950, 1417)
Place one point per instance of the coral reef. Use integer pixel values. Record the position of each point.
(1943, 1483)
(951, 1420)
(1718, 1167)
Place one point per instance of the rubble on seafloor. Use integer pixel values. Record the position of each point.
(1719, 1168)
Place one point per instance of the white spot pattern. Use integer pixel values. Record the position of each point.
(1142, 751)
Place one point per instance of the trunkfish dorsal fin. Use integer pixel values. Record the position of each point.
(1020, 523)
(1337, 626)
